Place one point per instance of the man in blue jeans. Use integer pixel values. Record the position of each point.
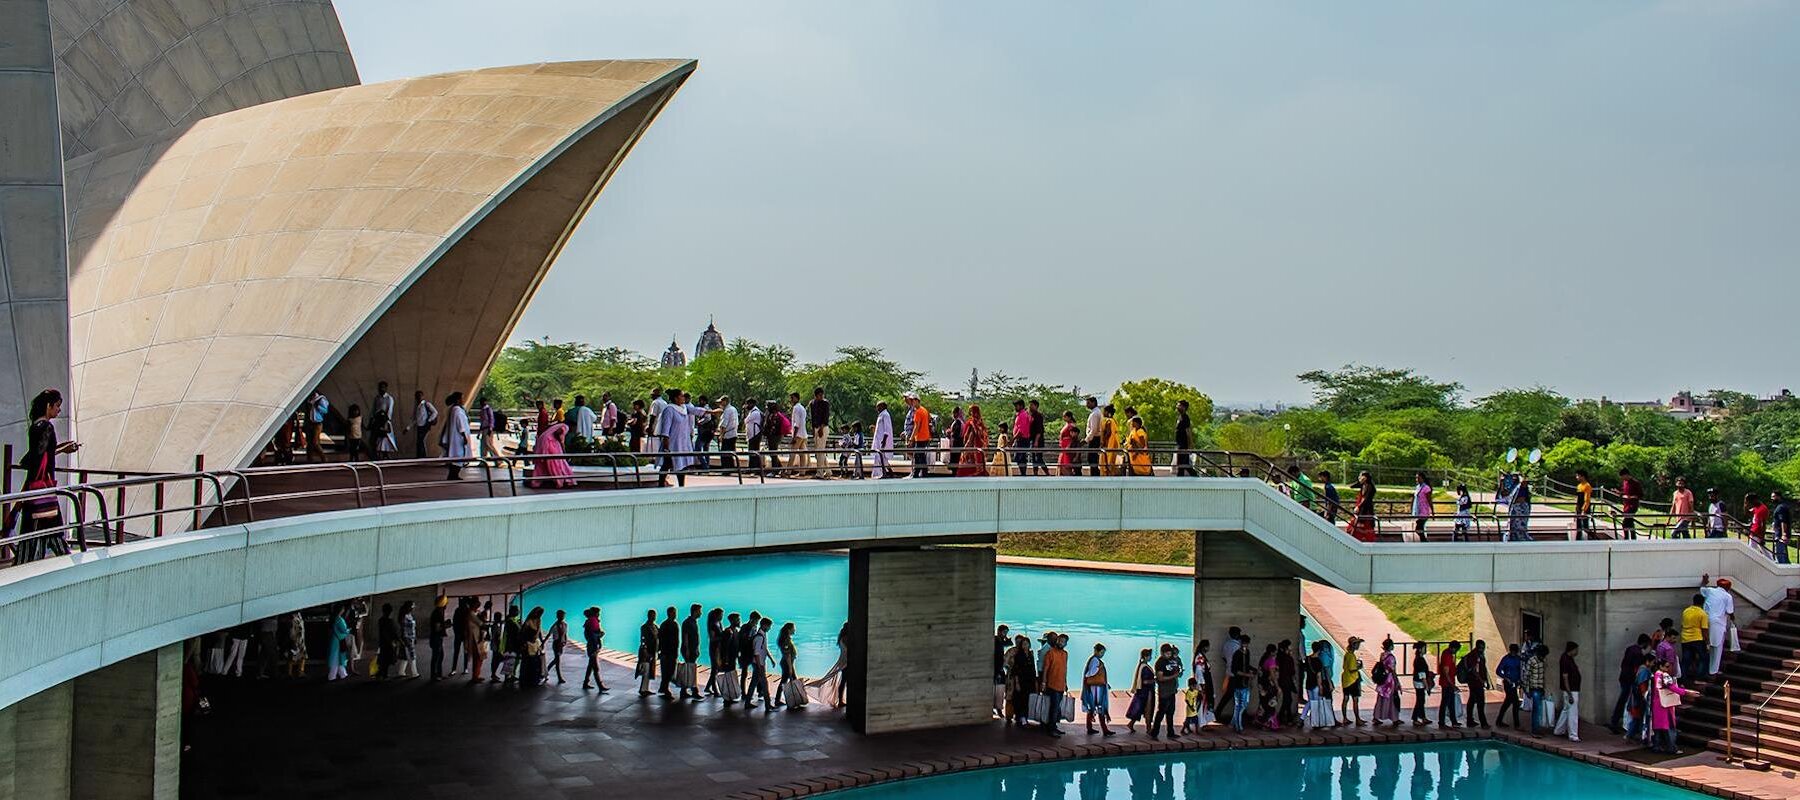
(1242, 675)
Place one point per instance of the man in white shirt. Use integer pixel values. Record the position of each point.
(797, 417)
(582, 418)
(883, 440)
(425, 416)
(727, 432)
(652, 443)
(1092, 434)
(1720, 617)
(753, 431)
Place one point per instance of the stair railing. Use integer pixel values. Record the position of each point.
(1757, 762)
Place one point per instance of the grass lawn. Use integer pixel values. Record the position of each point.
(1132, 547)
(1429, 617)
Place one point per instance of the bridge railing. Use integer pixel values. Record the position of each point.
(100, 508)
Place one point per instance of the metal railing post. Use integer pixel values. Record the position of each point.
(199, 466)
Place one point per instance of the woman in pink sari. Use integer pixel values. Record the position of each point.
(975, 438)
(552, 473)
(1065, 461)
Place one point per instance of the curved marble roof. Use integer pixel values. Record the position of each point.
(132, 68)
(388, 231)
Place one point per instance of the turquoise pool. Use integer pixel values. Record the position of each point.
(1127, 612)
(1419, 772)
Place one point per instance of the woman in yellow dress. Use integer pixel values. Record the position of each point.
(1110, 457)
(1138, 444)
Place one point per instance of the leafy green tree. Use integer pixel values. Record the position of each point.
(524, 373)
(1580, 421)
(1564, 458)
(1155, 400)
(741, 370)
(1251, 436)
(1396, 449)
(1311, 432)
(855, 381)
(1353, 390)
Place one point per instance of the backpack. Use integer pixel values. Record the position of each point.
(1380, 674)
(1465, 669)
(500, 421)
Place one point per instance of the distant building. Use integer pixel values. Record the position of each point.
(710, 340)
(673, 357)
(1684, 405)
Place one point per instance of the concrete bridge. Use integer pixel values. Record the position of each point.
(106, 626)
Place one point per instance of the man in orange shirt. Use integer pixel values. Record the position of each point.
(1056, 683)
(920, 423)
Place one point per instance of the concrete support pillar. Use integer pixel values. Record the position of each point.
(126, 739)
(921, 638)
(1602, 623)
(1239, 582)
(34, 745)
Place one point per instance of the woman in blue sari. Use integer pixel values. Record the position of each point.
(337, 656)
(1518, 510)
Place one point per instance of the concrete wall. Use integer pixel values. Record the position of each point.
(110, 734)
(1240, 582)
(922, 628)
(34, 270)
(1602, 623)
(113, 603)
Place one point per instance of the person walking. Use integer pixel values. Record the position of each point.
(407, 658)
(581, 418)
(1385, 676)
(1569, 681)
(1694, 634)
(424, 418)
(1055, 685)
(1038, 467)
(972, 461)
(1092, 434)
(1518, 509)
(382, 422)
(668, 640)
(355, 446)
(530, 648)
(317, 408)
(648, 647)
(1021, 679)
(637, 428)
(1631, 493)
(490, 439)
(727, 430)
(1287, 679)
(1465, 516)
(1184, 441)
(594, 637)
(455, 439)
(435, 627)
(788, 691)
(296, 646)
(1243, 674)
(1421, 681)
(1095, 691)
(918, 423)
(1363, 525)
(1629, 663)
(1448, 699)
(337, 650)
(1474, 674)
(1681, 510)
(558, 639)
(1350, 684)
(1510, 672)
(1226, 651)
(1421, 505)
(609, 415)
(1111, 457)
(1002, 643)
(42, 512)
(1137, 444)
(1534, 686)
(690, 655)
(759, 675)
(1721, 620)
(1021, 438)
(881, 448)
(818, 413)
(1584, 505)
(1169, 670)
(1665, 698)
(1316, 679)
(1143, 692)
(1068, 462)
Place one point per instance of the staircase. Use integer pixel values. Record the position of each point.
(1771, 652)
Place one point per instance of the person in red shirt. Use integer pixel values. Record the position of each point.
(1758, 511)
(1447, 700)
(1630, 494)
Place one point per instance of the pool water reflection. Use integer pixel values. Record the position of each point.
(1475, 770)
(1127, 612)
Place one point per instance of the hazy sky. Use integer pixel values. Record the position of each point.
(1602, 197)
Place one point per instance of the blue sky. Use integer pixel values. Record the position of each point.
(1601, 197)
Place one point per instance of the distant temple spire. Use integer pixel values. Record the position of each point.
(710, 340)
(673, 357)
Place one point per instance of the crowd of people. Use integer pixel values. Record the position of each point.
(498, 645)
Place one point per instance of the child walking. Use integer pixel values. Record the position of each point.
(1191, 696)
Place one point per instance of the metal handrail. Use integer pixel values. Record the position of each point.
(1765, 704)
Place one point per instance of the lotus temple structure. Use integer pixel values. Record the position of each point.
(189, 182)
